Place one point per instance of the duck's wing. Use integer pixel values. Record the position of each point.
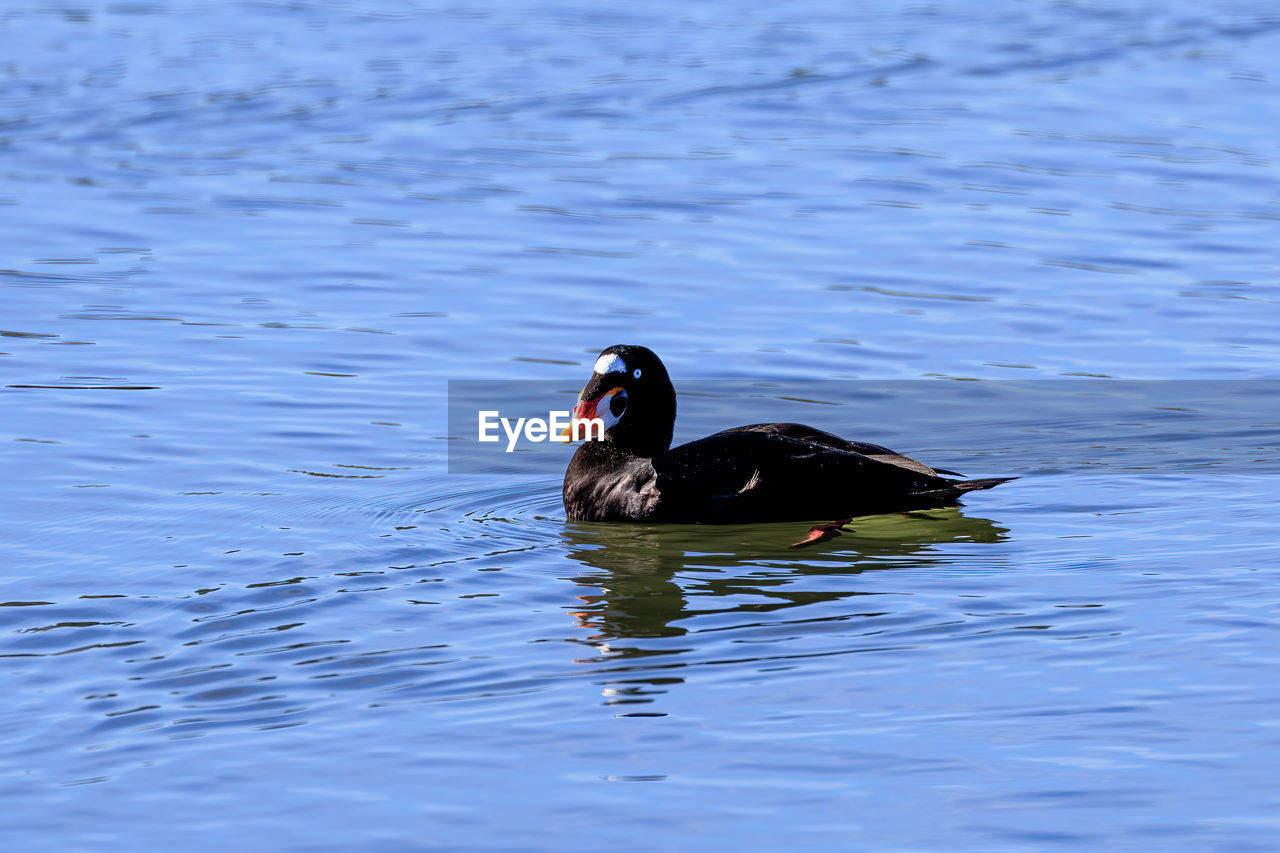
(801, 432)
(766, 475)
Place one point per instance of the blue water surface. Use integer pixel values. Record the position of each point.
(247, 245)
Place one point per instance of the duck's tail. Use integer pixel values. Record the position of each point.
(978, 485)
(956, 488)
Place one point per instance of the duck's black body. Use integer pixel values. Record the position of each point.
(763, 472)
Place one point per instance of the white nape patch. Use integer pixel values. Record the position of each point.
(610, 362)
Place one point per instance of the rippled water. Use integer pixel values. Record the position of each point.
(247, 245)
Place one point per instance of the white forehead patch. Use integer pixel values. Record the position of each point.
(610, 362)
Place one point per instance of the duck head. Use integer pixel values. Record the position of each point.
(630, 392)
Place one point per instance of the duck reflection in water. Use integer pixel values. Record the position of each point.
(649, 584)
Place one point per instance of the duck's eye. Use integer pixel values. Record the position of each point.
(635, 374)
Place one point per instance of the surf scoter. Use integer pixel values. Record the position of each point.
(761, 472)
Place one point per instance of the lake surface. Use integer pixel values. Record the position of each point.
(248, 602)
